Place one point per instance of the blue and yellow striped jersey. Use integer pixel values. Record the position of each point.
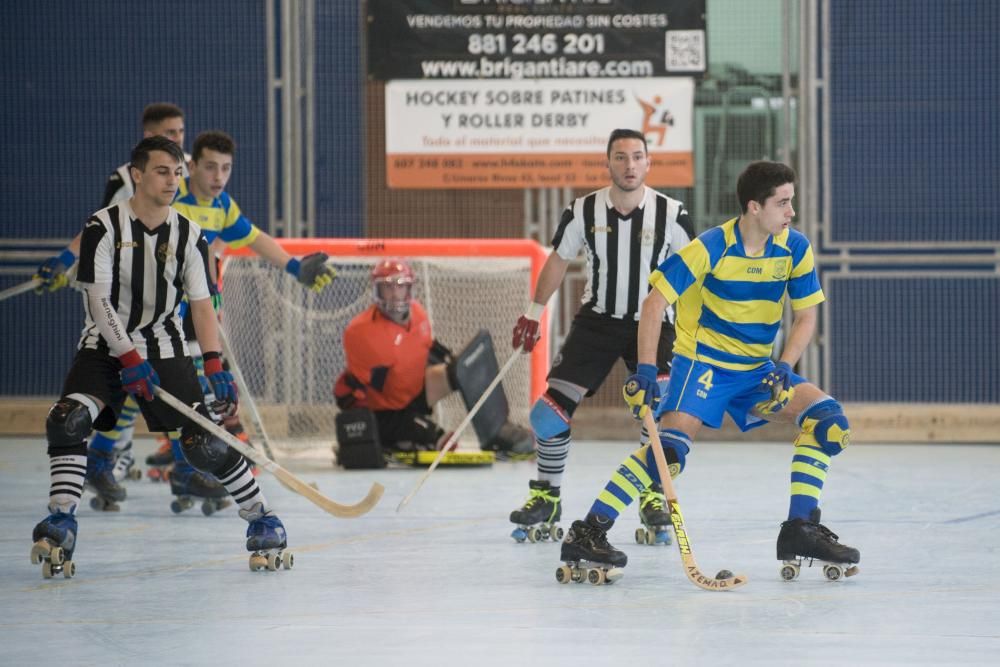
(728, 304)
(217, 217)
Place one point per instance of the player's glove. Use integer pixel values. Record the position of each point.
(526, 332)
(349, 392)
(223, 386)
(51, 274)
(138, 377)
(779, 383)
(642, 391)
(216, 295)
(312, 271)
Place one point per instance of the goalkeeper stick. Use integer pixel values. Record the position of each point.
(683, 542)
(20, 288)
(285, 477)
(245, 398)
(461, 427)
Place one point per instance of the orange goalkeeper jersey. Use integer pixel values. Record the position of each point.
(390, 359)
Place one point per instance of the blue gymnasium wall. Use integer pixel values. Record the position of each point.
(914, 94)
(75, 78)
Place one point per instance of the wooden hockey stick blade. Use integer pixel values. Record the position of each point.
(246, 398)
(677, 519)
(461, 427)
(20, 288)
(288, 479)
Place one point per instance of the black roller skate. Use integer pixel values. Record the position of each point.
(587, 555)
(54, 540)
(101, 480)
(125, 467)
(801, 540)
(536, 520)
(654, 516)
(160, 462)
(189, 485)
(266, 541)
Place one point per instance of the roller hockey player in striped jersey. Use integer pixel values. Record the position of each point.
(138, 259)
(729, 287)
(625, 230)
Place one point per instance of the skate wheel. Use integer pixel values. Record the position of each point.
(564, 574)
(257, 562)
(577, 575)
(37, 550)
(519, 535)
(833, 572)
(207, 508)
(789, 571)
(287, 560)
(640, 535)
(273, 561)
(135, 474)
(595, 576)
(557, 534)
(69, 569)
(176, 507)
(57, 555)
(534, 534)
(47, 570)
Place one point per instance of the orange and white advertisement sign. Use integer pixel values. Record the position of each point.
(540, 133)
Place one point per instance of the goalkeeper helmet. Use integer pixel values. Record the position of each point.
(392, 287)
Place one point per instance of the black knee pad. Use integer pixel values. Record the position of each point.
(206, 452)
(67, 426)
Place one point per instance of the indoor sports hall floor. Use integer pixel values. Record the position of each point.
(442, 583)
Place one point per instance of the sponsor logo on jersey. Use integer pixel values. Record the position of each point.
(755, 270)
(780, 270)
(127, 244)
(648, 236)
(164, 252)
(601, 229)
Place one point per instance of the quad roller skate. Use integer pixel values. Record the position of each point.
(587, 555)
(801, 540)
(536, 520)
(654, 516)
(190, 485)
(160, 462)
(101, 480)
(54, 540)
(125, 467)
(266, 541)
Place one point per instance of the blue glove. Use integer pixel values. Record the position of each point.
(51, 274)
(226, 395)
(779, 383)
(138, 377)
(641, 391)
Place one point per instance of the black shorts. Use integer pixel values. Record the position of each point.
(98, 374)
(595, 343)
(411, 424)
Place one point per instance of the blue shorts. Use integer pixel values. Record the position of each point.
(707, 392)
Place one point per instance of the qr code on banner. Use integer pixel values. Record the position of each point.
(685, 51)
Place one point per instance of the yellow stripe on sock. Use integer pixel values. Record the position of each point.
(612, 500)
(800, 489)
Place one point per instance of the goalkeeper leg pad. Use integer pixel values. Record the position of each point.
(358, 444)
(824, 425)
(69, 423)
(471, 372)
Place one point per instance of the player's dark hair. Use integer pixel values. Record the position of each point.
(627, 134)
(140, 154)
(759, 180)
(213, 140)
(158, 112)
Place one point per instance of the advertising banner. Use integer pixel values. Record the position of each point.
(543, 133)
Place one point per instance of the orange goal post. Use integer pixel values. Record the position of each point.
(287, 340)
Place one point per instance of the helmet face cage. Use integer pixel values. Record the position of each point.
(385, 275)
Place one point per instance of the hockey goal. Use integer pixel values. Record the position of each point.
(287, 341)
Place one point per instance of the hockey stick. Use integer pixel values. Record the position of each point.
(461, 427)
(285, 477)
(676, 518)
(246, 400)
(20, 288)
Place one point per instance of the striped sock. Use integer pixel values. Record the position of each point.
(242, 486)
(66, 475)
(625, 485)
(105, 441)
(809, 469)
(552, 454)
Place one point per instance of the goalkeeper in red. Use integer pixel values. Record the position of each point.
(729, 287)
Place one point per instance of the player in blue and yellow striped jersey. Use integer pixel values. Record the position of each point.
(729, 286)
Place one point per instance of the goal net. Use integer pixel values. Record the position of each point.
(287, 340)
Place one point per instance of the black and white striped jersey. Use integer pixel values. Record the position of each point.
(622, 251)
(148, 271)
